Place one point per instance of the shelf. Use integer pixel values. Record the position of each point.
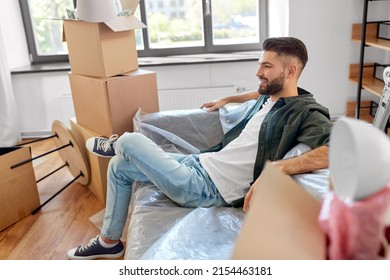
(369, 76)
(371, 35)
(366, 108)
(369, 83)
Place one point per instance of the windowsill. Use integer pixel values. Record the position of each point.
(153, 61)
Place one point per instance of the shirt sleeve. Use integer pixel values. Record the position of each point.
(315, 130)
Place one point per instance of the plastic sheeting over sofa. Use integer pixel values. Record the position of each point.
(160, 229)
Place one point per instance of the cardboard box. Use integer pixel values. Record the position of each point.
(108, 105)
(103, 49)
(282, 222)
(18, 189)
(98, 165)
(96, 50)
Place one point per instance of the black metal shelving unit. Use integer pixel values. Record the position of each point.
(363, 45)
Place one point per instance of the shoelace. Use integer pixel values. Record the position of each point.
(106, 144)
(90, 244)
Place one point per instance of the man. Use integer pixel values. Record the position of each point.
(283, 116)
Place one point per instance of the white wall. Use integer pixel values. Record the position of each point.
(325, 27)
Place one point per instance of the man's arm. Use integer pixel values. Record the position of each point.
(237, 98)
(310, 161)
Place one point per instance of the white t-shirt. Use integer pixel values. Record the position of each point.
(231, 168)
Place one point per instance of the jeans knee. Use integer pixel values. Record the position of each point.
(113, 164)
(129, 142)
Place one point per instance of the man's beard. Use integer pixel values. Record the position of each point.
(273, 87)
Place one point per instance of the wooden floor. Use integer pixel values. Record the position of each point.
(61, 224)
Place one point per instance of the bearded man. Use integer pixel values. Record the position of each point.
(283, 116)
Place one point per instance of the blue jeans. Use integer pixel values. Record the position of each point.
(178, 176)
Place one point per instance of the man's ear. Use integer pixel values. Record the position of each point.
(292, 70)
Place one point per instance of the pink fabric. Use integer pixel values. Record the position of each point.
(355, 229)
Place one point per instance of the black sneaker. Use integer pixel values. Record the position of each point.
(93, 250)
(101, 146)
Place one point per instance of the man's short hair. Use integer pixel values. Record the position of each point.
(289, 46)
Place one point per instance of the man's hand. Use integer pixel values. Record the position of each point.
(214, 105)
(249, 195)
(308, 162)
(237, 98)
(247, 199)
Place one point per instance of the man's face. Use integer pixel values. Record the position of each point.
(271, 73)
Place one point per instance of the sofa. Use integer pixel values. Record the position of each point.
(159, 229)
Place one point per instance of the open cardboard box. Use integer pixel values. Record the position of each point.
(103, 49)
(282, 222)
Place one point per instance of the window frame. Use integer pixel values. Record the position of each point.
(147, 51)
(32, 49)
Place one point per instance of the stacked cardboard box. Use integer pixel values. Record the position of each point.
(107, 85)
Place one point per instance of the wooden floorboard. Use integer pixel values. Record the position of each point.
(61, 224)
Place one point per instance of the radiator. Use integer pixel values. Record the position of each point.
(191, 98)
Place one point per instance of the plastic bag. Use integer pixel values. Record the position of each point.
(181, 131)
(232, 114)
(205, 233)
(355, 229)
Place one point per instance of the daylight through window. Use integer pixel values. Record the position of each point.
(173, 26)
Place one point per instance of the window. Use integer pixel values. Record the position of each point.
(174, 27)
(196, 26)
(44, 29)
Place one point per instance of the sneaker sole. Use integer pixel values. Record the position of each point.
(99, 155)
(94, 257)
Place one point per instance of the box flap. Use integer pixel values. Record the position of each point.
(130, 5)
(63, 33)
(135, 73)
(123, 23)
(282, 222)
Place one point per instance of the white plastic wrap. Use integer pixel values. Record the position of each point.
(160, 229)
(231, 115)
(153, 214)
(181, 131)
(204, 233)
